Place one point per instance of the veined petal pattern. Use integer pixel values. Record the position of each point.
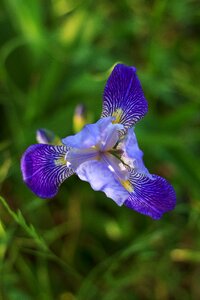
(44, 168)
(123, 96)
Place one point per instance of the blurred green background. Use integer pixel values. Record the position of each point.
(80, 245)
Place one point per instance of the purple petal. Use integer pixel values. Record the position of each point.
(115, 166)
(44, 168)
(151, 196)
(110, 136)
(88, 137)
(132, 155)
(103, 133)
(124, 97)
(78, 156)
(102, 179)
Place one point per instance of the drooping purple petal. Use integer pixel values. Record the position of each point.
(123, 96)
(132, 155)
(103, 134)
(151, 196)
(44, 168)
(102, 179)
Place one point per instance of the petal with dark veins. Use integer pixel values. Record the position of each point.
(123, 96)
(44, 168)
(151, 196)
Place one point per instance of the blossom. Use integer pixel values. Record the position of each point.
(105, 154)
(45, 136)
(80, 117)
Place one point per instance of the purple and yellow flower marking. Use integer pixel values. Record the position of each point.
(105, 154)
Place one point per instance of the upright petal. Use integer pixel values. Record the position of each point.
(102, 133)
(102, 179)
(109, 135)
(88, 137)
(132, 155)
(123, 96)
(151, 196)
(44, 168)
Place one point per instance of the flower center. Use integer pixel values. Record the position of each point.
(99, 142)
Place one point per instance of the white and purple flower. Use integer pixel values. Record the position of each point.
(106, 154)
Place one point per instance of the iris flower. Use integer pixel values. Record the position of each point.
(105, 154)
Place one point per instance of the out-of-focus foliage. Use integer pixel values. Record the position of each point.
(80, 245)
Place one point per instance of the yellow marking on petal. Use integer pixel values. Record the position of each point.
(127, 185)
(61, 161)
(118, 115)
